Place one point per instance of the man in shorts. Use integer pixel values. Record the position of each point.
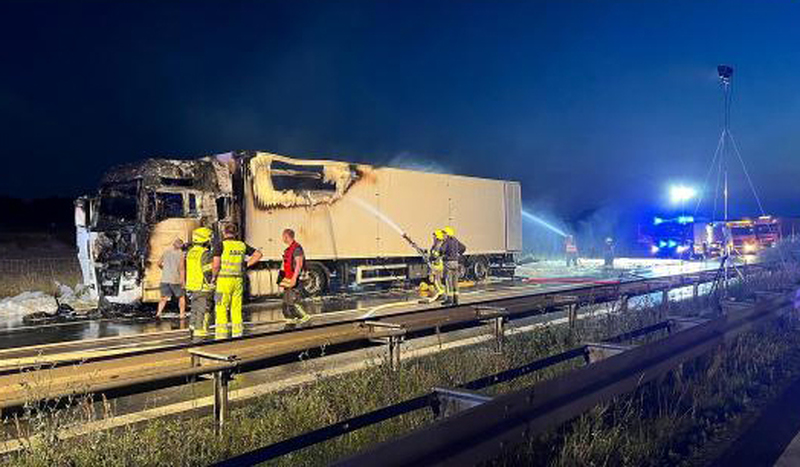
(173, 276)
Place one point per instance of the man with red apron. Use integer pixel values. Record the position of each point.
(293, 264)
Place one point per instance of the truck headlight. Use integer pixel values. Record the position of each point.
(749, 247)
(682, 248)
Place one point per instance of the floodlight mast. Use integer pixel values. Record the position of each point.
(725, 74)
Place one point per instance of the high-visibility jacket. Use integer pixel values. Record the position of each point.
(198, 269)
(232, 260)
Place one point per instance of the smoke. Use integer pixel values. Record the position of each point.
(544, 230)
(595, 225)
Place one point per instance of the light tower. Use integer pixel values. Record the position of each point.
(725, 73)
(726, 147)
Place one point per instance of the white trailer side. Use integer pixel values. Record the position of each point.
(343, 222)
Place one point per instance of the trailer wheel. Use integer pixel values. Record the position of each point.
(479, 268)
(316, 279)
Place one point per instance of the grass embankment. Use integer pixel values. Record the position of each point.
(281, 415)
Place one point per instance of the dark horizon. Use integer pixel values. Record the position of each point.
(588, 105)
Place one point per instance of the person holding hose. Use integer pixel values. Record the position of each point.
(452, 250)
(231, 258)
(608, 254)
(437, 264)
(571, 250)
(199, 281)
(294, 260)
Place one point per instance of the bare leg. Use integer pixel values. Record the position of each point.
(161, 304)
(182, 305)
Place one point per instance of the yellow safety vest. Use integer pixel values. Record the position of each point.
(232, 258)
(198, 266)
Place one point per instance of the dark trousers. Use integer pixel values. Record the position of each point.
(572, 259)
(451, 273)
(292, 303)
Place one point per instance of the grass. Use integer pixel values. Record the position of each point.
(677, 419)
(626, 431)
(668, 422)
(18, 276)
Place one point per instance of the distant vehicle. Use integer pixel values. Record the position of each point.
(344, 215)
(672, 238)
(743, 238)
(770, 230)
(708, 239)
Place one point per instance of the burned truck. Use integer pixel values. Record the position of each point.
(356, 222)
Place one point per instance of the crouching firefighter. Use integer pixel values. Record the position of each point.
(437, 264)
(231, 258)
(289, 279)
(199, 281)
(452, 250)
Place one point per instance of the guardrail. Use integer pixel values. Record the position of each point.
(149, 369)
(441, 401)
(486, 430)
(471, 427)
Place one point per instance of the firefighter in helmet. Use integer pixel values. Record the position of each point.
(199, 281)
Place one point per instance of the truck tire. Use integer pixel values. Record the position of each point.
(479, 268)
(316, 279)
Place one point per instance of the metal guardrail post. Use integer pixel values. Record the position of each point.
(572, 315)
(221, 378)
(394, 351)
(571, 302)
(495, 316)
(390, 334)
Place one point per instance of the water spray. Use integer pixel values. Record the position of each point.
(388, 221)
(543, 223)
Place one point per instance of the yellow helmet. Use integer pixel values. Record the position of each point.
(439, 234)
(201, 235)
(449, 231)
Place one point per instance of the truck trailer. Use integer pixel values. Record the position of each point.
(354, 220)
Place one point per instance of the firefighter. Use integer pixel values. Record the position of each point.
(452, 250)
(289, 279)
(571, 250)
(199, 281)
(231, 257)
(437, 264)
(608, 254)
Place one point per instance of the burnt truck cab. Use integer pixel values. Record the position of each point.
(137, 213)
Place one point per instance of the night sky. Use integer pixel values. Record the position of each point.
(588, 104)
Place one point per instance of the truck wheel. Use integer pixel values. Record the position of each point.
(315, 280)
(479, 268)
